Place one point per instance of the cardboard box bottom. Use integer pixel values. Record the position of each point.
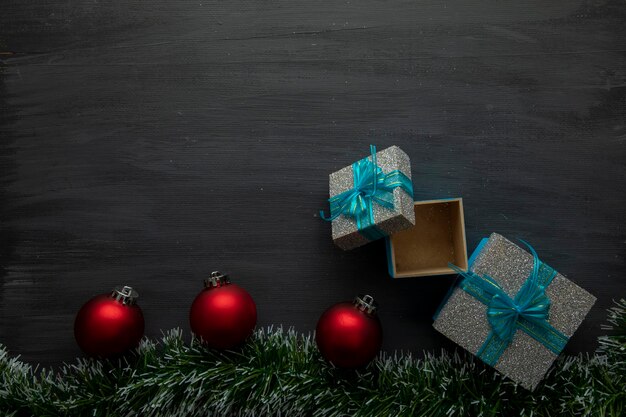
(438, 238)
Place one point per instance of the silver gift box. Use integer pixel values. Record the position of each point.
(344, 230)
(463, 319)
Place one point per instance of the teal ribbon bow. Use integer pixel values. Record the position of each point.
(527, 312)
(371, 186)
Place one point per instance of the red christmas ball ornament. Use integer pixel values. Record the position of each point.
(109, 324)
(223, 315)
(349, 334)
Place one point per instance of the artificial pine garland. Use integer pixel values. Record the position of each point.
(281, 373)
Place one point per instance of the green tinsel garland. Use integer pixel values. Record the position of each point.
(281, 373)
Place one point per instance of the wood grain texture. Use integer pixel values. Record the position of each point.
(149, 142)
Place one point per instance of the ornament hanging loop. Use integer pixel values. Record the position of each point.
(217, 279)
(366, 304)
(125, 295)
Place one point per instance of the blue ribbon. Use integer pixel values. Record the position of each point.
(528, 311)
(371, 186)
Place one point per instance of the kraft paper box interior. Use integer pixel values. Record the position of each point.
(387, 207)
(436, 240)
(552, 320)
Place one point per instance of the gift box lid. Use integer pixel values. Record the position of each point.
(371, 198)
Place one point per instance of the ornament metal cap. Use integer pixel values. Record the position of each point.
(217, 279)
(366, 304)
(125, 295)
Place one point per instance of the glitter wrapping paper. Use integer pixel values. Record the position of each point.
(344, 230)
(463, 318)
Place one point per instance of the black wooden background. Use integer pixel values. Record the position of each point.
(149, 142)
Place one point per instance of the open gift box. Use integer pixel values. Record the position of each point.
(436, 240)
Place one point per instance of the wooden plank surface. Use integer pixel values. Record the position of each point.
(149, 142)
